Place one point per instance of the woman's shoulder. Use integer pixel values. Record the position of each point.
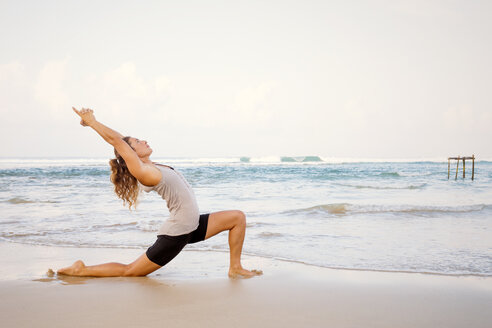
(151, 179)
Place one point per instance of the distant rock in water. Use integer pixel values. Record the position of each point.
(299, 159)
(389, 174)
(245, 159)
(312, 159)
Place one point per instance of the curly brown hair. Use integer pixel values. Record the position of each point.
(125, 184)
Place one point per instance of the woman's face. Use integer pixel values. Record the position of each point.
(141, 147)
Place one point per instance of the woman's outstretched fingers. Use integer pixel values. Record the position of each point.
(86, 115)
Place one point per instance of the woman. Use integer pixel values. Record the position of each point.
(133, 170)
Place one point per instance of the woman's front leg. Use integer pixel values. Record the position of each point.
(235, 222)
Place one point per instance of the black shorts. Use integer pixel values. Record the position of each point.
(167, 247)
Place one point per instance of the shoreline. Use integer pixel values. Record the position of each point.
(138, 251)
(194, 291)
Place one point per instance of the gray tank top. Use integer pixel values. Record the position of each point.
(180, 199)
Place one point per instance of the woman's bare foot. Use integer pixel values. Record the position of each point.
(236, 273)
(73, 270)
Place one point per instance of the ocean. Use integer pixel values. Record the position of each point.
(400, 215)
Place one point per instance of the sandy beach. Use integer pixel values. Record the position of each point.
(194, 291)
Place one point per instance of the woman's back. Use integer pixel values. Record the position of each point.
(180, 199)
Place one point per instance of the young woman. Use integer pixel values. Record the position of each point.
(133, 170)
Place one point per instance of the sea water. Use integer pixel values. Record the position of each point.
(355, 214)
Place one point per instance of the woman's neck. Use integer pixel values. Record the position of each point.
(146, 160)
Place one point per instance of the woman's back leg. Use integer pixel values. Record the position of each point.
(138, 268)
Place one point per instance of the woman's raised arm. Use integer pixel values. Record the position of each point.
(87, 118)
(146, 174)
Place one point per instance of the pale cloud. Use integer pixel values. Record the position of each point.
(196, 104)
(13, 82)
(12, 73)
(163, 86)
(466, 118)
(348, 117)
(252, 104)
(125, 84)
(355, 114)
(120, 95)
(49, 89)
(123, 95)
(426, 8)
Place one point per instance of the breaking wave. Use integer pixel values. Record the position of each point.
(409, 187)
(18, 200)
(345, 208)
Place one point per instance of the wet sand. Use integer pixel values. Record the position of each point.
(194, 291)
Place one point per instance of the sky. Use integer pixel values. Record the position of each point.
(359, 79)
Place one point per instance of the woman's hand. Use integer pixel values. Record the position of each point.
(86, 115)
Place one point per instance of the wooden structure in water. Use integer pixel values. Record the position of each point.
(463, 159)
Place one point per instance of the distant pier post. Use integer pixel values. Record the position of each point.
(458, 159)
(473, 167)
(457, 167)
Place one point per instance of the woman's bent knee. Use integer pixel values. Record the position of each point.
(241, 217)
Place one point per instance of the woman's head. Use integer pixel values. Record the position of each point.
(125, 184)
(139, 146)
